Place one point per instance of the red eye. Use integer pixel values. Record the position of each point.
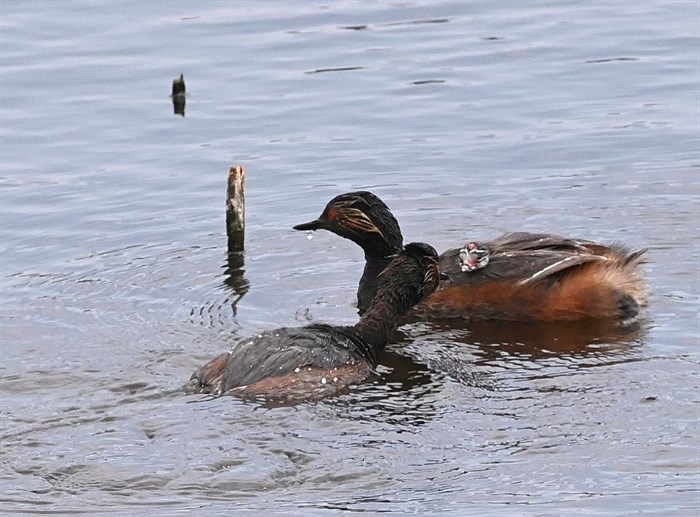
(471, 246)
(331, 215)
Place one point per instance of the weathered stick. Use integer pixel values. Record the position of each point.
(179, 85)
(178, 95)
(235, 208)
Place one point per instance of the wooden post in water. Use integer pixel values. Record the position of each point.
(235, 208)
(178, 95)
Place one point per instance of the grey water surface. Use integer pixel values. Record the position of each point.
(469, 119)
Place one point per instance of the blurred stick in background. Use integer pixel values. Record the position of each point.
(178, 95)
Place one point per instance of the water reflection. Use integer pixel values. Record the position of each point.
(400, 394)
(538, 340)
(497, 356)
(234, 276)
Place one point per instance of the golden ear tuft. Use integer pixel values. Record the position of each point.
(357, 220)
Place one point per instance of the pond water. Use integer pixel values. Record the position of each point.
(469, 119)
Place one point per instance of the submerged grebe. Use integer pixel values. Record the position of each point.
(321, 359)
(518, 276)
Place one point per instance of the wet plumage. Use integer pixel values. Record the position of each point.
(290, 362)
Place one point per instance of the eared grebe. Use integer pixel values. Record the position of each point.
(519, 276)
(320, 359)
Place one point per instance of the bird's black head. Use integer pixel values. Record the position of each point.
(364, 219)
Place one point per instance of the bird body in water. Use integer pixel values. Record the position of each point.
(518, 276)
(320, 359)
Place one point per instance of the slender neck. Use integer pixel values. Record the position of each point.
(377, 244)
(378, 255)
(367, 288)
(376, 248)
(381, 319)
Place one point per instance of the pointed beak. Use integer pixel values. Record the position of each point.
(316, 224)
